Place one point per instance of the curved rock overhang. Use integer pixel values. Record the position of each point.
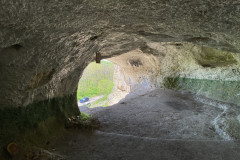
(45, 46)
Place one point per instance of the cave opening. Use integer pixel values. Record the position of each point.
(176, 89)
(177, 67)
(185, 95)
(117, 79)
(101, 85)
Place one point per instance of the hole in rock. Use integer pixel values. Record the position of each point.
(153, 92)
(17, 46)
(95, 85)
(114, 79)
(172, 113)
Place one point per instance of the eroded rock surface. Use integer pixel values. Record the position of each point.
(199, 69)
(63, 36)
(45, 46)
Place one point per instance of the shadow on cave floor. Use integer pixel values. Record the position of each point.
(161, 124)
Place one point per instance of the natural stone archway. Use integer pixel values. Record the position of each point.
(45, 46)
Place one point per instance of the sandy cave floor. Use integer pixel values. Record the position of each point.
(161, 124)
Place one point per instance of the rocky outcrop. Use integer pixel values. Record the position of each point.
(40, 37)
(199, 69)
(120, 88)
(45, 46)
(135, 72)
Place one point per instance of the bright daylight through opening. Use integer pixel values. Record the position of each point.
(96, 85)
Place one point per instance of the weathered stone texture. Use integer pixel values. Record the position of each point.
(45, 45)
(63, 35)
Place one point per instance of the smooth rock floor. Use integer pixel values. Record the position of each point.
(161, 125)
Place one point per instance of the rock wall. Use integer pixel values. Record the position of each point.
(135, 72)
(45, 46)
(203, 70)
(36, 123)
(120, 88)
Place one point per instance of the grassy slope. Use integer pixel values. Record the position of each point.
(96, 80)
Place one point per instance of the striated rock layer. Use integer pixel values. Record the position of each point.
(45, 46)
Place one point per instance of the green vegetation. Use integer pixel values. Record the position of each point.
(103, 102)
(97, 79)
(84, 116)
(83, 121)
